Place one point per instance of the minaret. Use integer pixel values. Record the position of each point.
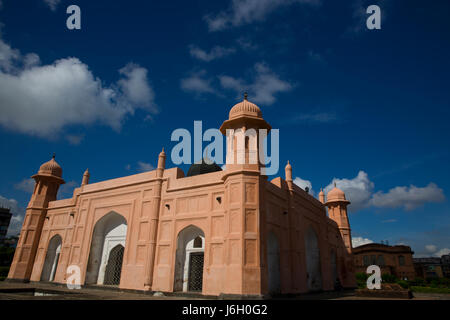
(244, 190)
(86, 176)
(161, 163)
(288, 174)
(337, 211)
(321, 196)
(242, 134)
(154, 220)
(47, 181)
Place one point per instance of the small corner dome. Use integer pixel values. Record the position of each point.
(51, 167)
(245, 108)
(336, 194)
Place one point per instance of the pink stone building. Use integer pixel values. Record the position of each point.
(213, 231)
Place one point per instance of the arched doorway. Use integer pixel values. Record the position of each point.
(107, 249)
(114, 266)
(313, 266)
(189, 260)
(273, 264)
(51, 259)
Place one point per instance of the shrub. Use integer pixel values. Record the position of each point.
(404, 284)
(4, 271)
(361, 279)
(445, 282)
(389, 278)
(418, 282)
(6, 256)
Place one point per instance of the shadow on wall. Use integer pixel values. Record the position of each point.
(107, 247)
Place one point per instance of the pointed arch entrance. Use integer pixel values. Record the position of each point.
(107, 250)
(273, 263)
(189, 260)
(313, 266)
(51, 259)
(114, 265)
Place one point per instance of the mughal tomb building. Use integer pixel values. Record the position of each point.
(213, 231)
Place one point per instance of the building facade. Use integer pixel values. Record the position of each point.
(5, 218)
(213, 231)
(432, 267)
(395, 260)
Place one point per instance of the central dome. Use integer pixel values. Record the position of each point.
(201, 168)
(245, 108)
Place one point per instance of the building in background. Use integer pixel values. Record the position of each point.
(5, 218)
(445, 260)
(395, 260)
(432, 267)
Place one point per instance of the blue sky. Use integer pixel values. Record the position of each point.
(365, 108)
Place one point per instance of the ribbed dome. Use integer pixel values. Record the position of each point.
(336, 194)
(201, 168)
(51, 167)
(245, 108)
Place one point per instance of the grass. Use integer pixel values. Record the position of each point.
(429, 289)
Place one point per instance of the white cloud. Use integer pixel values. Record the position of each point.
(244, 12)
(431, 248)
(408, 197)
(442, 252)
(8, 56)
(359, 241)
(75, 139)
(52, 4)
(197, 83)
(135, 86)
(389, 221)
(358, 190)
(66, 190)
(215, 53)
(303, 184)
(26, 185)
(43, 100)
(18, 214)
(143, 166)
(318, 117)
(266, 84)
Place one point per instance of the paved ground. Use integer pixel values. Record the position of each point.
(26, 291)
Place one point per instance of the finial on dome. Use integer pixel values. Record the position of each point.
(288, 172)
(85, 179)
(161, 161)
(321, 196)
(335, 184)
(54, 155)
(245, 95)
